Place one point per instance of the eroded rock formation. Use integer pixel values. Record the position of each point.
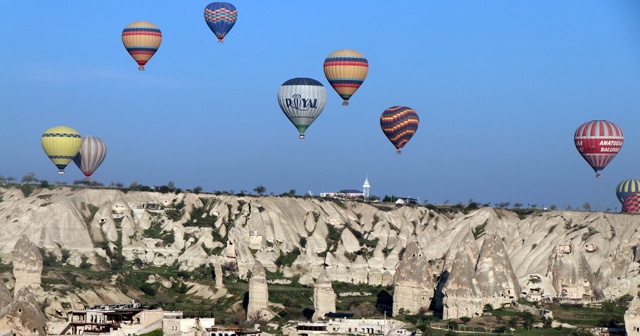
(258, 308)
(27, 265)
(355, 242)
(414, 285)
(324, 298)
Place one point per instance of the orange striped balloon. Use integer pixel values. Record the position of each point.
(399, 124)
(141, 39)
(346, 70)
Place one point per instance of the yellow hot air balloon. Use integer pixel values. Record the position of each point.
(61, 144)
(141, 39)
(346, 70)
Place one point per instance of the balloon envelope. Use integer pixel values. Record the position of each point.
(626, 188)
(631, 204)
(141, 39)
(61, 144)
(346, 70)
(399, 124)
(302, 100)
(220, 17)
(91, 154)
(598, 141)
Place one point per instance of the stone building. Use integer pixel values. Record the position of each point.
(571, 275)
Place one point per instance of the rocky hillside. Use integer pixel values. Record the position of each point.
(300, 237)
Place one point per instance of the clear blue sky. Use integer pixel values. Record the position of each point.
(500, 87)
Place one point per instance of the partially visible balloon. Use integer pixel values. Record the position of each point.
(302, 100)
(91, 154)
(61, 144)
(142, 39)
(399, 124)
(346, 70)
(631, 204)
(626, 188)
(598, 141)
(220, 17)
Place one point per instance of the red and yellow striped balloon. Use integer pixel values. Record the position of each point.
(399, 124)
(346, 70)
(142, 39)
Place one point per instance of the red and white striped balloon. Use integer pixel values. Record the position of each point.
(91, 154)
(598, 141)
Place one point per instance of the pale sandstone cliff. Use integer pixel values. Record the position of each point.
(354, 242)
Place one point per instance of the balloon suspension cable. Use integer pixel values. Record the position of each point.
(301, 136)
(345, 103)
(399, 152)
(141, 68)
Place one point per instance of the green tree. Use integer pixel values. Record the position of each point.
(586, 206)
(527, 319)
(465, 319)
(260, 190)
(30, 177)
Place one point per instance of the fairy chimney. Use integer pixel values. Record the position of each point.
(258, 308)
(27, 265)
(497, 282)
(324, 298)
(413, 282)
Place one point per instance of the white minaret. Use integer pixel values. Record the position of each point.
(365, 188)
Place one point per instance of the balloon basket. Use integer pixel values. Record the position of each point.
(597, 175)
(60, 172)
(345, 103)
(141, 68)
(219, 41)
(301, 136)
(399, 152)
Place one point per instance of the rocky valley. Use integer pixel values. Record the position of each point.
(75, 247)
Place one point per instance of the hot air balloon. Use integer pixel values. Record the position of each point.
(598, 141)
(91, 154)
(302, 100)
(142, 39)
(220, 17)
(61, 144)
(631, 204)
(399, 124)
(346, 70)
(626, 188)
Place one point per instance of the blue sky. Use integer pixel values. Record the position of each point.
(500, 88)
